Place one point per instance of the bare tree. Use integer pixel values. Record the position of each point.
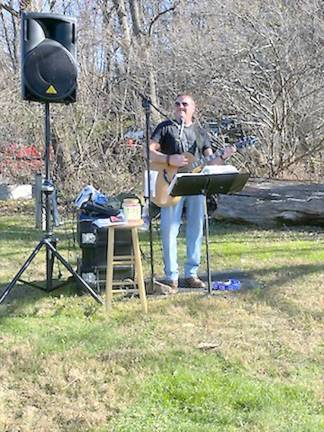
(259, 62)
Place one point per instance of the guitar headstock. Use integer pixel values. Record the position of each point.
(245, 141)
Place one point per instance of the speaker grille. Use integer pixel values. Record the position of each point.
(50, 72)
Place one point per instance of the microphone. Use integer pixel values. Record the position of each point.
(182, 119)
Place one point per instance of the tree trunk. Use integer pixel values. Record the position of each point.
(265, 202)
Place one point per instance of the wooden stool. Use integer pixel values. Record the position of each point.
(137, 258)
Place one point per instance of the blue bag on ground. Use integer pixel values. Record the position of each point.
(228, 285)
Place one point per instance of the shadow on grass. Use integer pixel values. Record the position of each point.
(271, 292)
(21, 235)
(282, 276)
(14, 254)
(23, 293)
(279, 276)
(290, 273)
(218, 229)
(269, 250)
(30, 235)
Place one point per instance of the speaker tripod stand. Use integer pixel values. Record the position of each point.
(48, 241)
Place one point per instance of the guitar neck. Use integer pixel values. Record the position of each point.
(204, 160)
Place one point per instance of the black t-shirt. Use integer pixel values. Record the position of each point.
(194, 139)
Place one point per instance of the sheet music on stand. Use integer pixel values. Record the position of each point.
(212, 179)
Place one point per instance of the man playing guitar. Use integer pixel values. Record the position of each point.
(169, 141)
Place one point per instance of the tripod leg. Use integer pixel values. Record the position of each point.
(50, 265)
(74, 273)
(49, 269)
(21, 271)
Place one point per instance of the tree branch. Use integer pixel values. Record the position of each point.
(159, 16)
(9, 9)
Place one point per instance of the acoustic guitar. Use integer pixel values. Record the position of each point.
(165, 173)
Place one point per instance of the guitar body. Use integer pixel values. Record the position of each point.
(166, 173)
(164, 178)
(161, 197)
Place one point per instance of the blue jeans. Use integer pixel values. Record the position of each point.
(170, 224)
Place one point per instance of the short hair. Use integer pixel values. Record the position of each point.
(186, 95)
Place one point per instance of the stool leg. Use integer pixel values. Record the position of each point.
(139, 270)
(109, 274)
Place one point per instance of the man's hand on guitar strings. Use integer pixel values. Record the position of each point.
(228, 152)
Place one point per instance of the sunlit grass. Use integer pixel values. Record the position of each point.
(244, 361)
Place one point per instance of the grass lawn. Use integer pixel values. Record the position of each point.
(250, 360)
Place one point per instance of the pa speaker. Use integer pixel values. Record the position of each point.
(48, 65)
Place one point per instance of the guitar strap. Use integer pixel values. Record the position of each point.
(183, 141)
(199, 140)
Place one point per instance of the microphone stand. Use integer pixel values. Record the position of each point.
(146, 103)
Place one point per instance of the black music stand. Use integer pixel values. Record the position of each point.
(207, 184)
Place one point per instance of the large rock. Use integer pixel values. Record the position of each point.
(15, 192)
(265, 202)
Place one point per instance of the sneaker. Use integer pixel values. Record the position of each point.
(194, 282)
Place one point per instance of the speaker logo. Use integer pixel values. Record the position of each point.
(51, 90)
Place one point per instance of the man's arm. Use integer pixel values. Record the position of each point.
(172, 160)
(155, 153)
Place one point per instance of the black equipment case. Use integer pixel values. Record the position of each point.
(92, 263)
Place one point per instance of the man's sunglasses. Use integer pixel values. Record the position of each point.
(177, 103)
